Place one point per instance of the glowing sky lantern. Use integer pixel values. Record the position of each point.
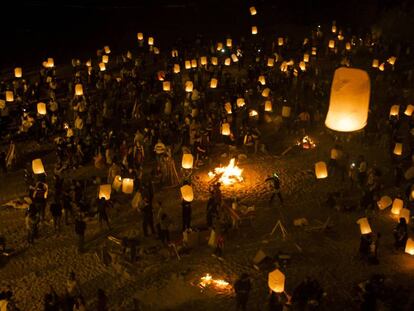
(187, 161)
(18, 72)
(254, 30)
(364, 225)
(321, 170)
(276, 281)
(349, 101)
(253, 11)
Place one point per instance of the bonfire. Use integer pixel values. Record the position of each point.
(208, 281)
(227, 175)
(306, 142)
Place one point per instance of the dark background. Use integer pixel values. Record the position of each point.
(34, 30)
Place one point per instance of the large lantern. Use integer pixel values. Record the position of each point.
(268, 106)
(9, 96)
(384, 202)
(254, 30)
(395, 110)
(188, 86)
(409, 110)
(140, 36)
(127, 185)
(78, 89)
(166, 86)
(225, 129)
(41, 108)
(409, 246)
(262, 80)
(321, 171)
(117, 183)
(105, 192)
(349, 102)
(240, 102)
(187, 193)
(203, 60)
(364, 225)
(213, 83)
(398, 148)
(187, 161)
(397, 206)
(18, 72)
(253, 10)
(286, 111)
(276, 281)
(37, 167)
(176, 68)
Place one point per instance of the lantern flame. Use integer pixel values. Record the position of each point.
(230, 174)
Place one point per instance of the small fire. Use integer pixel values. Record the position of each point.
(229, 174)
(307, 143)
(208, 280)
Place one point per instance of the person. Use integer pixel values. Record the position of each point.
(307, 294)
(72, 291)
(159, 150)
(275, 183)
(164, 228)
(3, 164)
(102, 301)
(79, 304)
(242, 289)
(364, 245)
(102, 213)
(147, 216)
(39, 198)
(186, 213)
(80, 228)
(401, 234)
(277, 301)
(212, 211)
(362, 170)
(56, 212)
(373, 255)
(6, 302)
(51, 301)
(31, 221)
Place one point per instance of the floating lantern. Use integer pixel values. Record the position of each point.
(395, 110)
(409, 110)
(348, 46)
(193, 63)
(409, 246)
(227, 107)
(375, 63)
(166, 86)
(240, 102)
(340, 36)
(18, 72)
(105, 59)
(254, 30)
(349, 101)
(2, 104)
(333, 28)
(398, 149)
(405, 213)
(229, 43)
(174, 53)
(9, 96)
(214, 61)
(203, 60)
(253, 11)
(234, 58)
(176, 68)
(225, 129)
(314, 50)
(78, 89)
(187, 193)
(266, 92)
(102, 67)
(150, 41)
(156, 50)
(384, 202)
(268, 106)
(213, 83)
(50, 63)
(41, 108)
(105, 192)
(127, 185)
(306, 57)
(280, 41)
(381, 67)
(140, 36)
(331, 44)
(187, 64)
(129, 55)
(276, 281)
(302, 66)
(286, 111)
(219, 46)
(187, 161)
(117, 183)
(161, 75)
(262, 80)
(321, 171)
(227, 61)
(37, 167)
(364, 225)
(188, 86)
(253, 113)
(392, 60)
(107, 50)
(167, 108)
(270, 62)
(397, 206)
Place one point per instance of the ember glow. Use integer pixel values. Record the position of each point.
(306, 143)
(229, 174)
(208, 281)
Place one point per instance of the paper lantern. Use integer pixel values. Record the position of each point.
(280, 41)
(187, 161)
(340, 36)
(262, 80)
(409, 110)
(395, 110)
(240, 102)
(37, 167)
(331, 44)
(219, 46)
(166, 86)
(276, 281)
(314, 50)
(381, 67)
(129, 55)
(286, 111)
(227, 107)
(306, 57)
(254, 30)
(253, 113)
(88, 63)
(193, 63)
(188, 86)
(213, 83)
(2, 104)
(302, 66)
(140, 36)
(392, 60)
(127, 185)
(409, 246)
(18, 72)
(150, 41)
(398, 149)
(117, 183)
(266, 92)
(333, 28)
(107, 50)
(105, 59)
(225, 129)
(203, 60)
(375, 63)
(227, 61)
(176, 68)
(321, 170)
(384, 202)
(187, 64)
(102, 67)
(174, 53)
(78, 89)
(41, 108)
(229, 43)
(187, 193)
(364, 225)
(349, 101)
(167, 108)
(397, 206)
(270, 62)
(348, 46)
(9, 96)
(268, 106)
(50, 63)
(253, 11)
(234, 58)
(105, 192)
(214, 61)
(405, 213)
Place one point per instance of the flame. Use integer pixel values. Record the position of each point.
(208, 280)
(230, 173)
(306, 142)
